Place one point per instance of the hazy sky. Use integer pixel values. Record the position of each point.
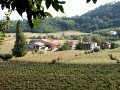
(72, 8)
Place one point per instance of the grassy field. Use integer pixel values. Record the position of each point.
(57, 34)
(43, 76)
(72, 56)
(7, 45)
(74, 71)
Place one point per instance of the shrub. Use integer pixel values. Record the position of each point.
(66, 46)
(60, 49)
(96, 50)
(51, 36)
(41, 52)
(53, 61)
(36, 50)
(89, 52)
(79, 46)
(39, 37)
(58, 59)
(114, 45)
(33, 52)
(44, 37)
(6, 57)
(79, 54)
(86, 52)
(9, 35)
(76, 55)
(34, 37)
(92, 51)
(0, 55)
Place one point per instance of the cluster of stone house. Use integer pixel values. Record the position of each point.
(92, 45)
(45, 44)
(85, 45)
(52, 45)
(106, 45)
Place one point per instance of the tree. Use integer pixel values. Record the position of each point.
(34, 8)
(4, 24)
(99, 39)
(79, 46)
(2, 34)
(66, 46)
(20, 48)
(114, 45)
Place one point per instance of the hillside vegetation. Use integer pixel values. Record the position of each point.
(105, 16)
(107, 30)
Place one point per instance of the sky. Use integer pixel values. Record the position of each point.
(72, 8)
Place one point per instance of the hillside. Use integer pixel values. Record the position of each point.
(105, 16)
(109, 10)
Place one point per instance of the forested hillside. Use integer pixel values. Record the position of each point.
(105, 16)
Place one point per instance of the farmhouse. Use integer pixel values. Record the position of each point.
(113, 32)
(74, 44)
(85, 45)
(46, 44)
(106, 45)
(88, 45)
(50, 43)
(36, 45)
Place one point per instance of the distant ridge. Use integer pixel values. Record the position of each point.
(105, 16)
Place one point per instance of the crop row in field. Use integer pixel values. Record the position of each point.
(44, 76)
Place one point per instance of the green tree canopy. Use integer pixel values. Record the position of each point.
(34, 8)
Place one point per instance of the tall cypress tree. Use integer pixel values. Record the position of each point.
(20, 48)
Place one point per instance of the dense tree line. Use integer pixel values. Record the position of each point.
(47, 25)
(105, 16)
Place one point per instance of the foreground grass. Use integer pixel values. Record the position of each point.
(44, 76)
(73, 57)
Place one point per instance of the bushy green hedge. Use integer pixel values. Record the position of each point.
(6, 57)
(114, 45)
(96, 50)
(66, 46)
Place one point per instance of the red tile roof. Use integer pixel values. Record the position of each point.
(51, 41)
(88, 42)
